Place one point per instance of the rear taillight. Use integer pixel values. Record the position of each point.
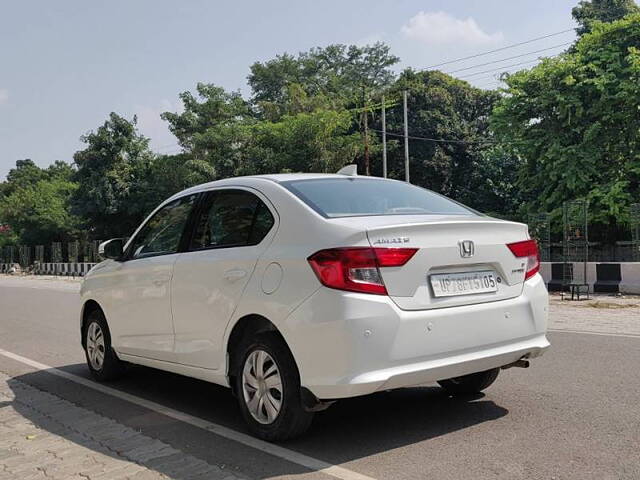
(357, 269)
(528, 249)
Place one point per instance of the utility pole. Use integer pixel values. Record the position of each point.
(384, 139)
(406, 137)
(366, 133)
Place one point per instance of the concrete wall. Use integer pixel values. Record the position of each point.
(629, 274)
(630, 277)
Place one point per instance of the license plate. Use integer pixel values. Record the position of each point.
(450, 284)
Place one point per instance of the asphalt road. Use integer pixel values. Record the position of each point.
(575, 414)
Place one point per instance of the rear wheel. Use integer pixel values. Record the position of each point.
(472, 383)
(102, 361)
(268, 389)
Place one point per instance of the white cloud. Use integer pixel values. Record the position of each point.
(151, 125)
(4, 96)
(440, 28)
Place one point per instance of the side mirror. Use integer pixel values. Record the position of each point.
(112, 248)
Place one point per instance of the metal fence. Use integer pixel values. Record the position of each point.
(635, 231)
(574, 244)
(623, 251)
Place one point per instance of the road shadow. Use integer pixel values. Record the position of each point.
(350, 430)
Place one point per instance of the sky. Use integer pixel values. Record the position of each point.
(65, 65)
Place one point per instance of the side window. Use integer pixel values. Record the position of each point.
(262, 223)
(231, 218)
(161, 234)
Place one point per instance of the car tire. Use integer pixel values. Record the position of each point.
(268, 389)
(102, 361)
(472, 383)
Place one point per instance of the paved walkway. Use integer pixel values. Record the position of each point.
(47, 282)
(45, 437)
(601, 314)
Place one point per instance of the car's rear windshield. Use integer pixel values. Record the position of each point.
(351, 197)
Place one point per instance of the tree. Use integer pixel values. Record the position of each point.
(7, 237)
(335, 74)
(166, 175)
(39, 213)
(574, 120)
(60, 169)
(25, 173)
(320, 141)
(108, 171)
(299, 103)
(222, 138)
(35, 203)
(209, 128)
(494, 182)
(589, 11)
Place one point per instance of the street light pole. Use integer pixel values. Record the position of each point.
(384, 139)
(366, 133)
(406, 138)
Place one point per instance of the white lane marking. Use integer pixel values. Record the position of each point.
(601, 334)
(275, 450)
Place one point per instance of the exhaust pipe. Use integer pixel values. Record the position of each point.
(518, 363)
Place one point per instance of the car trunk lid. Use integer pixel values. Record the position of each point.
(449, 245)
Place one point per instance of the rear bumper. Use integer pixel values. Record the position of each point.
(432, 370)
(349, 344)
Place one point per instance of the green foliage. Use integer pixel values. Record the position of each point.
(333, 76)
(35, 203)
(24, 174)
(493, 181)
(587, 12)
(306, 142)
(219, 130)
(210, 127)
(206, 118)
(442, 107)
(8, 236)
(109, 170)
(165, 175)
(574, 119)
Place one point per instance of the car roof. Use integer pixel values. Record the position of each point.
(275, 177)
(283, 177)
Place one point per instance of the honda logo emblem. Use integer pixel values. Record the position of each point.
(467, 249)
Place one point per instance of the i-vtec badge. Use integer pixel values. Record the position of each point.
(467, 248)
(389, 241)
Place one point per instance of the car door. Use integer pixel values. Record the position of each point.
(232, 229)
(140, 306)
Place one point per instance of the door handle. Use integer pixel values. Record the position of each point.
(234, 275)
(158, 281)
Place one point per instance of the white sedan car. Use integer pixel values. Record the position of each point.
(296, 290)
